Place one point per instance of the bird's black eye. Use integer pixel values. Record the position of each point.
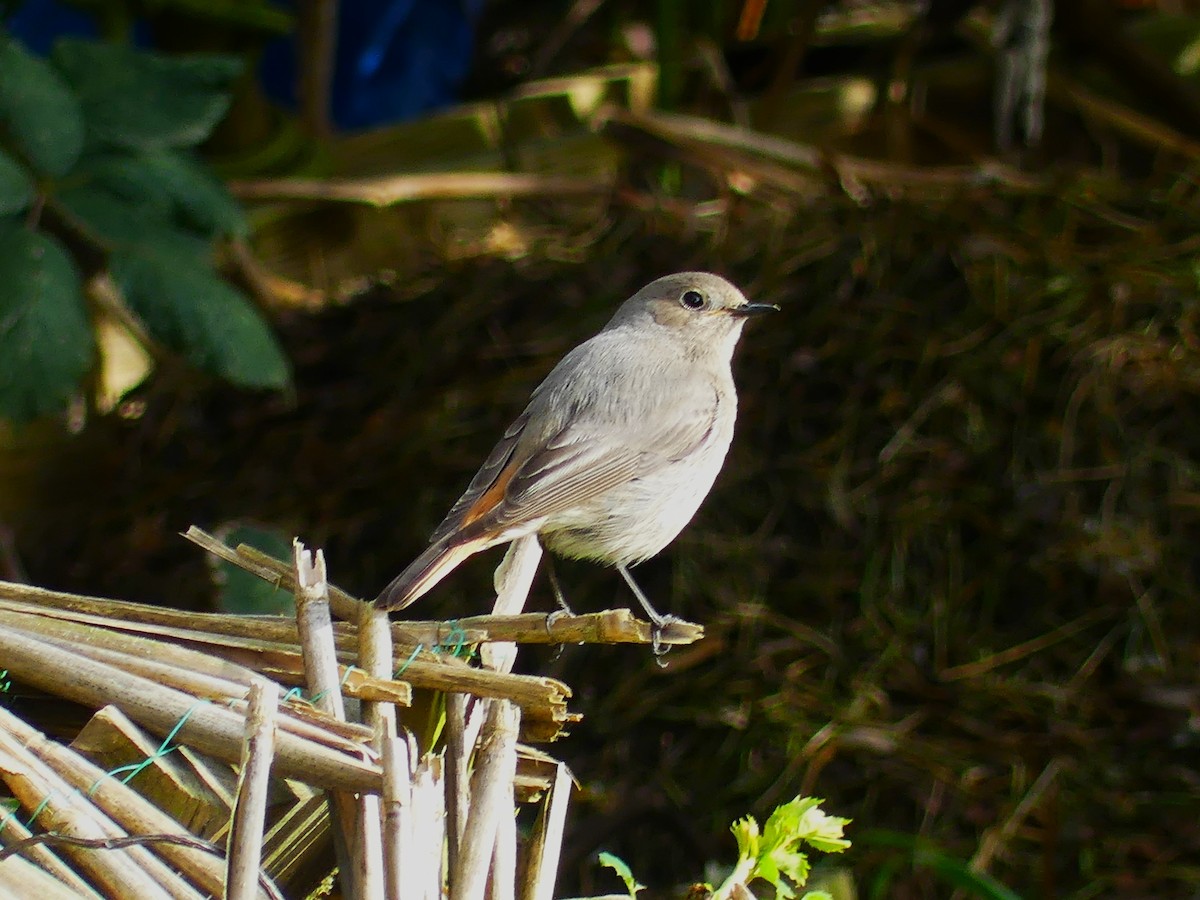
(693, 300)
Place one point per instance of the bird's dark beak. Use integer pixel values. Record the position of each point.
(753, 309)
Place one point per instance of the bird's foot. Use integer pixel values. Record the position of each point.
(658, 624)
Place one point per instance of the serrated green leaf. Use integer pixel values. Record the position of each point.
(46, 341)
(745, 832)
(40, 115)
(776, 855)
(802, 819)
(618, 865)
(146, 101)
(16, 188)
(186, 306)
(129, 197)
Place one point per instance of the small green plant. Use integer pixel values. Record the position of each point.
(774, 854)
(618, 865)
(98, 175)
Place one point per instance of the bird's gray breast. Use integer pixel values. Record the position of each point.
(673, 417)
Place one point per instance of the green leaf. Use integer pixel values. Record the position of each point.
(40, 116)
(802, 819)
(130, 197)
(46, 342)
(776, 855)
(147, 101)
(239, 592)
(745, 832)
(618, 865)
(199, 199)
(16, 188)
(186, 306)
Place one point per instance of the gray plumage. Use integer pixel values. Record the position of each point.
(619, 444)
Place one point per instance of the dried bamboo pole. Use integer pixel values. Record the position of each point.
(458, 780)
(368, 848)
(125, 806)
(513, 581)
(427, 826)
(250, 810)
(205, 726)
(198, 672)
(315, 627)
(414, 820)
(612, 626)
(14, 832)
(299, 718)
(545, 844)
(491, 798)
(129, 872)
(375, 653)
(478, 804)
(503, 881)
(21, 877)
(397, 791)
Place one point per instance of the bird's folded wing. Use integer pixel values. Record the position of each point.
(576, 464)
(493, 477)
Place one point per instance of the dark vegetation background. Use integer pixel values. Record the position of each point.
(948, 574)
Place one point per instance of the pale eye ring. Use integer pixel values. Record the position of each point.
(693, 300)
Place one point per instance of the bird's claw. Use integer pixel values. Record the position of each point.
(657, 625)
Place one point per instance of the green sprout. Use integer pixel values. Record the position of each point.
(618, 865)
(774, 854)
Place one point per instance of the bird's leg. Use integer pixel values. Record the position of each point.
(556, 588)
(658, 621)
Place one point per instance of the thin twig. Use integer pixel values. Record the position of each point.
(254, 780)
(395, 189)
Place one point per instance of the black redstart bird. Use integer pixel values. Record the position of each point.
(617, 447)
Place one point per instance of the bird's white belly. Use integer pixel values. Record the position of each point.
(633, 521)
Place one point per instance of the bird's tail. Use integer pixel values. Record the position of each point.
(424, 572)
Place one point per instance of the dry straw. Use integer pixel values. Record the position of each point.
(238, 756)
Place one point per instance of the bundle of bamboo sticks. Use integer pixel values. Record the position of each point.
(243, 756)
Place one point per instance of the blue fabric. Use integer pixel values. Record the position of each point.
(37, 23)
(396, 59)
